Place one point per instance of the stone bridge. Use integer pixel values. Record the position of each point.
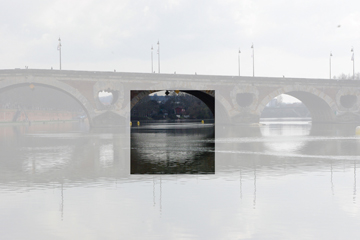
(235, 100)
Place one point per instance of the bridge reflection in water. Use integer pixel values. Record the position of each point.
(173, 148)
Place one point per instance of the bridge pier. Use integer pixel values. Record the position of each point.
(246, 118)
(108, 119)
(347, 117)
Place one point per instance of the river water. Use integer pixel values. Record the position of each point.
(272, 181)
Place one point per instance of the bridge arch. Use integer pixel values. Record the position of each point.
(223, 107)
(207, 96)
(320, 105)
(67, 89)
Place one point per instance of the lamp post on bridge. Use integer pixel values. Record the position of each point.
(158, 52)
(330, 63)
(239, 61)
(152, 63)
(253, 57)
(59, 49)
(353, 60)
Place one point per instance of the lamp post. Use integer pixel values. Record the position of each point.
(152, 64)
(239, 61)
(253, 56)
(353, 60)
(59, 48)
(330, 63)
(158, 52)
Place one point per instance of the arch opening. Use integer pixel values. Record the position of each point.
(320, 110)
(36, 102)
(160, 105)
(286, 107)
(107, 97)
(320, 106)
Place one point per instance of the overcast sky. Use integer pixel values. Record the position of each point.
(291, 38)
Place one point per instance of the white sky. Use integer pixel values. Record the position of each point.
(291, 38)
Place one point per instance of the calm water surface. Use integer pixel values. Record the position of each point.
(273, 181)
(190, 148)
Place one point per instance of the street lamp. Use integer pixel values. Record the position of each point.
(330, 63)
(158, 52)
(152, 65)
(59, 49)
(253, 56)
(239, 61)
(353, 60)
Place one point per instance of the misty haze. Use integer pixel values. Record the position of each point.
(179, 120)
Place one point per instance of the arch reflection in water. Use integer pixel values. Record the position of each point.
(286, 136)
(173, 148)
